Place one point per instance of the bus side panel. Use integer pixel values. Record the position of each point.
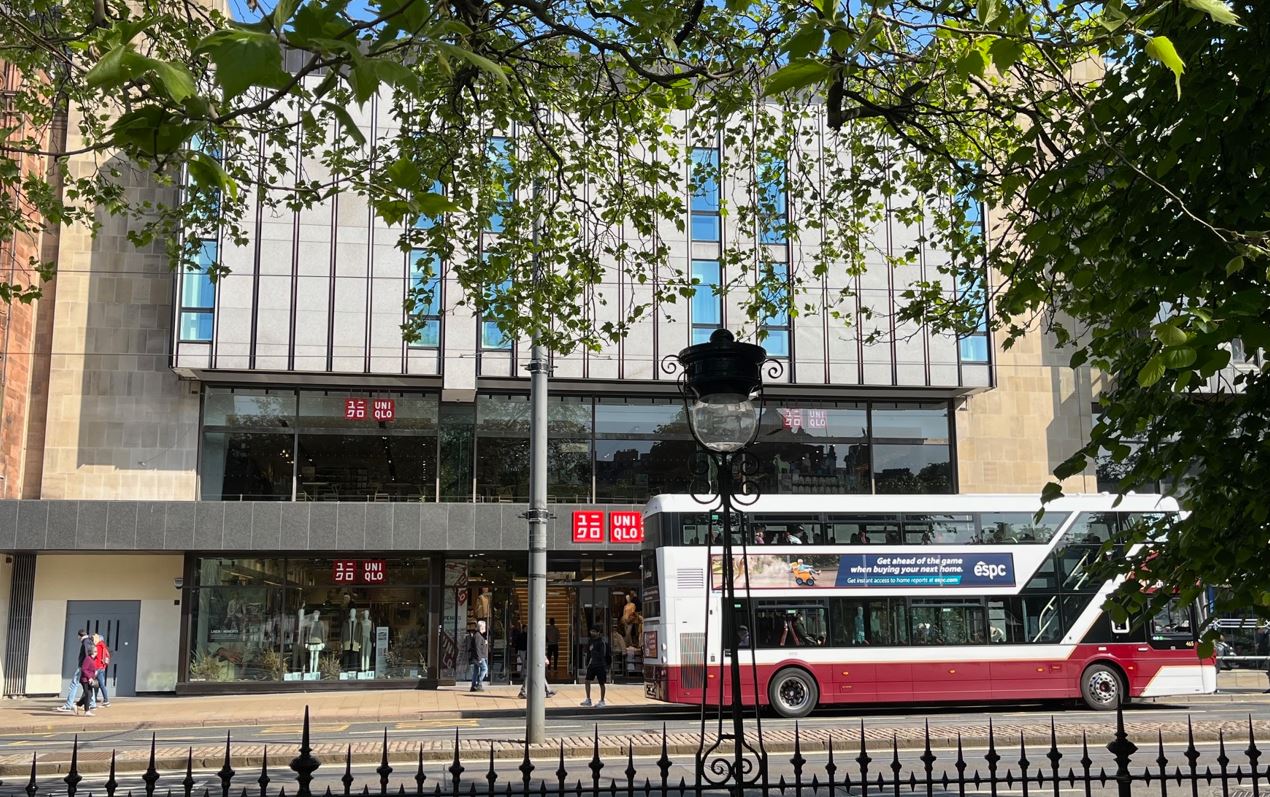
(853, 682)
(894, 681)
(1041, 678)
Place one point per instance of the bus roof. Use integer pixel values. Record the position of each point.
(922, 504)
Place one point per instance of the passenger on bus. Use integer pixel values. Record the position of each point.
(861, 537)
(760, 535)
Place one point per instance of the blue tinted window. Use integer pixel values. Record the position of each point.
(777, 342)
(491, 336)
(423, 221)
(973, 349)
(707, 304)
(425, 276)
(429, 334)
(777, 324)
(772, 202)
(197, 289)
(705, 180)
(196, 326)
(705, 227)
(500, 148)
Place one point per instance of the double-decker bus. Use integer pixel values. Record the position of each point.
(907, 598)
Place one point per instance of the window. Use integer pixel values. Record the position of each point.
(502, 448)
(707, 299)
(423, 221)
(972, 285)
(938, 529)
(198, 296)
(705, 194)
(425, 291)
(1029, 619)
(873, 623)
(947, 622)
(492, 337)
(788, 624)
(1014, 527)
(776, 325)
(773, 214)
(500, 152)
(642, 448)
(910, 450)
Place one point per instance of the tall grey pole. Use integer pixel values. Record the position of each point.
(535, 668)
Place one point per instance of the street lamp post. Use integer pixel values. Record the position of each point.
(722, 386)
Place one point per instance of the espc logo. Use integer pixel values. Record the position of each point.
(991, 571)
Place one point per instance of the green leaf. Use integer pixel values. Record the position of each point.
(840, 40)
(1161, 49)
(403, 173)
(283, 11)
(1219, 11)
(175, 78)
(1005, 54)
(1179, 357)
(807, 40)
(109, 71)
(207, 171)
(244, 59)
(1079, 357)
(1169, 335)
(347, 124)
(478, 61)
(1235, 265)
(1051, 491)
(434, 204)
(987, 11)
(795, 75)
(1152, 372)
(972, 63)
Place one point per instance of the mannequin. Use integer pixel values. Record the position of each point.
(317, 640)
(301, 639)
(350, 640)
(484, 605)
(367, 631)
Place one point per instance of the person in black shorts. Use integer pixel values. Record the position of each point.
(599, 656)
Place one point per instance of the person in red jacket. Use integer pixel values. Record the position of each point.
(102, 657)
(88, 682)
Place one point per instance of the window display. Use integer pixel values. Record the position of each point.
(309, 619)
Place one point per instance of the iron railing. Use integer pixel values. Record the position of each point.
(850, 767)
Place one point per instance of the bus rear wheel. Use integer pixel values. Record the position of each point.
(793, 693)
(1102, 688)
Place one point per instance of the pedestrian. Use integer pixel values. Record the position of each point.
(550, 692)
(520, 642)
(478, 654)
(102, 657)
(553, 644)
(599, 658)
(86, 648)
(88, 683)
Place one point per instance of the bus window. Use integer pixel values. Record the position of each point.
(1031, 619)
(772, 530)
(857, 623)
(938, 529)
(1172, 622)
(784, 624)
(1019, 527)
(876, 530)
(1092, 528)
(947, 622)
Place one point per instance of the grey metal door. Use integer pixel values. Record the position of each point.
(118, 623)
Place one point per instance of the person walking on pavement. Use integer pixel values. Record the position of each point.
(549, 690)
(101, 655)
(478, 654)
(599, 657)
(553, 644)
(86, 648)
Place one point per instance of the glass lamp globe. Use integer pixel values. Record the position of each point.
(724, 422)
(723, 386)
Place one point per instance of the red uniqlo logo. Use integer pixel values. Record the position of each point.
(588, 527)
(344, 571)
(817, 419)
(626, 527)
(792, 419)
(354, 409)
(374, 571)
(385, 409)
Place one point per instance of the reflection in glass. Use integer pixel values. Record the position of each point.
(241, 466)
(242, 407)
(367, 467)
(912, 469)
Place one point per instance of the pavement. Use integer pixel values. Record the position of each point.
(354, 726)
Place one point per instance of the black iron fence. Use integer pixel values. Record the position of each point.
(860, 767)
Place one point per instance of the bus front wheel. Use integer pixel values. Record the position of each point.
(1102, 688)
(793, 693)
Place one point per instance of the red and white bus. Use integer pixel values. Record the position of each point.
(908, 598)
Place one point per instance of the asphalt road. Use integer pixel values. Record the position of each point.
(619, 723)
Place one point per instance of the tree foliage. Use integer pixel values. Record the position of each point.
(1121, 144)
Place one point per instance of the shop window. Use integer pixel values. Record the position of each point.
(947, 622)
(502, 448)
(249, 408)
(457, 431)
(642, 448)
(707, 299)
(366, 467)
(814, 448)
(247, 466)
(705, 194)
(911, 452)
(198, 296)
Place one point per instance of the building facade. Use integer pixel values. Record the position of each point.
(259, 484)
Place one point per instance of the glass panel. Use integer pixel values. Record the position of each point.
(367, 467)
(237, 635)
(493, 338)
(196, 327)
(502, 415)
(240, 466)
(569, 470)
(248, 408)
(1093, 528)
(705, 179)
(1032, 619)
(812, 467)
(701, 334)
(429, 336)
(1074, 606)
(874, 623)
(638, 418)
(458, 422)
(1172, 622)
(783, 624)
(777, 343)
(1017, 527)
(973, 349)
(632, 471)
(425, 277)
(707, 304)
(950, 622)
(912, 469)
(213, 572)
(939, 529)
(326, 410)
(197, 289)
(898, 423)
(502, 469)
(772, 202)
(705, 227)
(865, 531)
(500, 151)
(424, 221)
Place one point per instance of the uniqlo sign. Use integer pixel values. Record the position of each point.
(355, 571)
(791, 418)
(374, 571)
(344, 571)
(588, 527)
(626, 527)
(360, 409)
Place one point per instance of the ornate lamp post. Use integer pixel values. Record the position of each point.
(722, 386)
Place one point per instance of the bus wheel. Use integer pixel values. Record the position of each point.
(793, 693)
(1101, 688)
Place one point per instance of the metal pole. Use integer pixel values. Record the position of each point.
(535, 668)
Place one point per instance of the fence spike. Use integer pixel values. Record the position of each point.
(384, 769)
(797, 761)
(663, 763)
(927, 758)
(1054, 756)
(188, 781)
(151, 776)
(226, 772)
(263, 780)
(491, 777)
(561, 772)
(1163, 763)
(1086, 762)
(456, 767)
(1223, 762)
(347, 778)
(419, 776)
(863, 760)
(73, 778)
(895, 764)
(831, 769)
(111, 783)
(304, 765)
(630, 770)
(1253, 756)
(596, 764)
(1122, 749)
(1023, 763)
(31, 787)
